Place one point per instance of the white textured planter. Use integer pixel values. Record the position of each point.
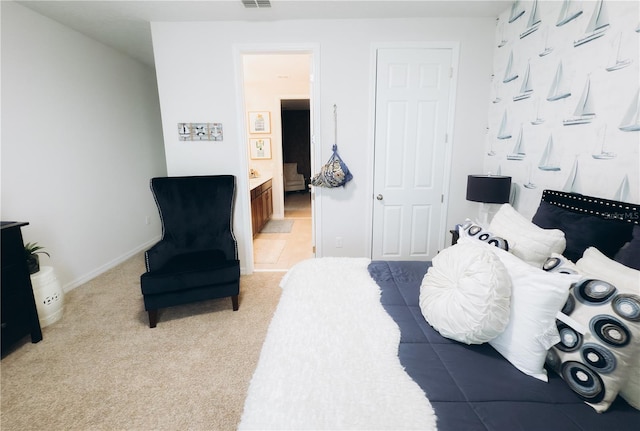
(48, 294)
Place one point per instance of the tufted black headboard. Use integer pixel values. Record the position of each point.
(598, 207)
(588, 221)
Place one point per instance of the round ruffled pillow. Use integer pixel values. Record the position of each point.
(466, 294)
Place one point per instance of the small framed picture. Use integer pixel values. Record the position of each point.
(260, 148)
(260, 122)
(200, 131)
(215, 131)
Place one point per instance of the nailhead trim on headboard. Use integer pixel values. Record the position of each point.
(603, 208)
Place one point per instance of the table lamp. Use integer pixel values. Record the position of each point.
(489, 190)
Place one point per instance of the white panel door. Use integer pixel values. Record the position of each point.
(412, 116)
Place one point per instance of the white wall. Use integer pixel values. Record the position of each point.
(611, 94)
(81, 138)
(197, 82)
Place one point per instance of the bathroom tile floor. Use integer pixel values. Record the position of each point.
(269, 252)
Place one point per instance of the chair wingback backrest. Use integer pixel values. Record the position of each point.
(290, 170)
(196, 212)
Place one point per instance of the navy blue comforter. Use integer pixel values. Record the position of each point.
(474, 387)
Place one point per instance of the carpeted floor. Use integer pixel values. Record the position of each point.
(102, 368)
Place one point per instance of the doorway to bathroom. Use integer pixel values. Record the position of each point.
(277, 86)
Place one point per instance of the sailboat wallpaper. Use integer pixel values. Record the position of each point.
(598, 24)
(572, 91)
(534, 20)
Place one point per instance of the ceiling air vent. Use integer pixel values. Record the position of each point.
(256, 3)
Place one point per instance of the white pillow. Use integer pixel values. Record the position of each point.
(526, 240)
(595, 264)
(465, 294)
(536, 298)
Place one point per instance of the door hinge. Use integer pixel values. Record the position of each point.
(441, 199)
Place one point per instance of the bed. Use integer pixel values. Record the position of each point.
(354, 343)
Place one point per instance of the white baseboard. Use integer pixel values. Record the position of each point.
(107, 266)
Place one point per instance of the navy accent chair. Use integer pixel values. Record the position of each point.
(197, 257)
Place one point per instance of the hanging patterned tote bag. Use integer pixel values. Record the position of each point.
(335, 172)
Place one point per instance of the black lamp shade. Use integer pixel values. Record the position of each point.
(489, 189)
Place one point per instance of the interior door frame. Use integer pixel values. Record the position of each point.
(455, 56)
(243, 199)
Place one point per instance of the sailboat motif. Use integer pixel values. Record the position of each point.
(547, 162)
(516, 11)
(518, 152)
(546, 49)
(526, 89)
(497, 98)
(631, 121)
(573, 183)
(530, 184)
(559, 89)
(538, 120)
(491, 152)
(567, 14)
(509, 74)
(604, 155)
(618, 63)
(503, 131)
(503, 41)
(598, 24)
(584, 113)
(622, 194)
(534, 21)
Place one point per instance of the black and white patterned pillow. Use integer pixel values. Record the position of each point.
(469, 229)
(599, 330)
(559, 263)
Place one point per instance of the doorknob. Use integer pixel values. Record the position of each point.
(379, 197)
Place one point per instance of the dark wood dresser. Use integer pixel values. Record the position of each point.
(261, 205)
(19, 314)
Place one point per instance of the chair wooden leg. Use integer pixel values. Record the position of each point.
(153, 318)
(234, 301)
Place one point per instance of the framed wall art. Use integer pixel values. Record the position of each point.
(260, 148)
(200, 131)
(260, 122)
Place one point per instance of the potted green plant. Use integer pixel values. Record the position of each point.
(31, 250)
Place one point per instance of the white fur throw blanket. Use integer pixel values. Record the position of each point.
(330, 358)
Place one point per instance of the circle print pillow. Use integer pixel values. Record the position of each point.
(599, 330)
